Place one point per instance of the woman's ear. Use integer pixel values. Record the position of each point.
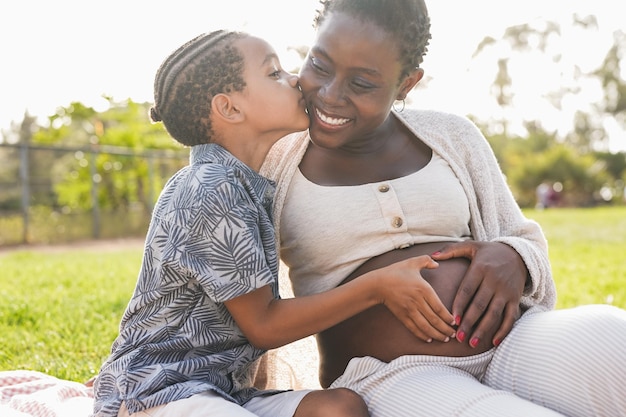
(409, 82)
(224, 108)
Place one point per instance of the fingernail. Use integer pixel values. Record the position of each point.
(429, 340)
(460, 336)
(474, 342)
(457, 319)
(447, 339)
(496, 342)
(435, 253)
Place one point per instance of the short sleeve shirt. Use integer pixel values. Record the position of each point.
(210, 239)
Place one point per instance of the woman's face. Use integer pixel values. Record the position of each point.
(350, 79)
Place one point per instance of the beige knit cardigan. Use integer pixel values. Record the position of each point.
(495, 215)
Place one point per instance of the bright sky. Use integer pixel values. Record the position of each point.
(56, 52)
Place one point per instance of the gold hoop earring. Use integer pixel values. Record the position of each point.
(401, 109)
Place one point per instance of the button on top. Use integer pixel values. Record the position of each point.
(383, 188)
(396, 222)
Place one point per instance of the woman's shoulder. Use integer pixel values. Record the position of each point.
(434, 126)
(436, 119)
(290, 141)
(286, 151)
(447, 133)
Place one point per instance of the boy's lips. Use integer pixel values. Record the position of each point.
(302, 103)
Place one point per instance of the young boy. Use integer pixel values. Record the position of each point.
(206, 305)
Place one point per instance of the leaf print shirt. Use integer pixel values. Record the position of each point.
(210, 239)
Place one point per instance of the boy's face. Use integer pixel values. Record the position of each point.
(272, 100)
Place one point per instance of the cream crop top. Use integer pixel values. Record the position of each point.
(328, 231)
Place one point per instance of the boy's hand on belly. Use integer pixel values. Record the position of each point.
(413, 301)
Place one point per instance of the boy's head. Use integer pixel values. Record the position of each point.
(188, 79)
(231, 75)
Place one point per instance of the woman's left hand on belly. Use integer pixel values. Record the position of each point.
(489, 295)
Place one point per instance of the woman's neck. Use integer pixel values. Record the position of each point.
(392, 153)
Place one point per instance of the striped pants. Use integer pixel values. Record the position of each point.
(569, 362)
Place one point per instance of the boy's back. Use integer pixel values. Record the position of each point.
(212, 223)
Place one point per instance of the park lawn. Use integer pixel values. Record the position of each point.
(61, 308)
(587, 250)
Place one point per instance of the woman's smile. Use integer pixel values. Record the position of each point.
(330, 120)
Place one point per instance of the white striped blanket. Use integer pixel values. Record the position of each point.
(35, 394)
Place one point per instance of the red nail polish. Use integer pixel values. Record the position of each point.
(435, 253)
(474, 342)
(460, 336)
(457, 319)
(496, 342)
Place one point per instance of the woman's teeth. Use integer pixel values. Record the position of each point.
(331, 120)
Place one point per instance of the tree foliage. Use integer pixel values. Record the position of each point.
(112, 159)
(112, 164)
(578, 160)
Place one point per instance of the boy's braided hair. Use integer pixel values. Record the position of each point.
(187, 80)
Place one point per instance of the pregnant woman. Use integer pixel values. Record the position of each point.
(366, 186)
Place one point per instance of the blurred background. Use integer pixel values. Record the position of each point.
(545, 81)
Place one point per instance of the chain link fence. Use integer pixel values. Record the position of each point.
(51, 194)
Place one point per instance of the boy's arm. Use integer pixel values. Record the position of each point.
(269, 323)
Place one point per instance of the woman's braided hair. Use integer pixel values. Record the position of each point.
(187, 80)
(406, 20)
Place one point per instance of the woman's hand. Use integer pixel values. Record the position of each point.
(489, 295)
(413, 301)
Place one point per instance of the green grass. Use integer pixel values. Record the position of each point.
(587, 250)
(59, 311)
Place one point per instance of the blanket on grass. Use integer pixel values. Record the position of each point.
(35, 394)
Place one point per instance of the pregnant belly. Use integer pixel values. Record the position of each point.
(377, 333)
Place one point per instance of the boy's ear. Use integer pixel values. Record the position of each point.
(223, 107)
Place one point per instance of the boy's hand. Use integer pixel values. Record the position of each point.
(414, 302)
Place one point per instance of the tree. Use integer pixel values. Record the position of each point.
(611, 74)
(112, 152)
(540, 42)
(580, 176)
